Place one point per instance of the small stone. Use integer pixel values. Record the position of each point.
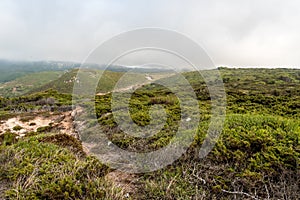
(21, 135)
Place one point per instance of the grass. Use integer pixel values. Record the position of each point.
(41, 168)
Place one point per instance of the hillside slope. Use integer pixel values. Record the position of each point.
(28, 82)
(10, 70)
(107, 83)
(257, 155)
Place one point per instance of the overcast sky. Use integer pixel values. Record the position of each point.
(233, 32)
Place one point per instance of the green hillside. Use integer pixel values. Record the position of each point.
(256, 156)
(26, 83)
(65, 83)
(10, 70)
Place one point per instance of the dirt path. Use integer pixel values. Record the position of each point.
(131, 87)
(148, 79)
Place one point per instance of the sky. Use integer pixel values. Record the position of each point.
(232, 32)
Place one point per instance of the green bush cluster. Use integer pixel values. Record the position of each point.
(43, 170)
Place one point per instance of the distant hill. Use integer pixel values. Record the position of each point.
(22, 77)
(108, 81)
(28, 82)
(10, 70)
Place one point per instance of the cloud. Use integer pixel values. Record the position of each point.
(234, 33)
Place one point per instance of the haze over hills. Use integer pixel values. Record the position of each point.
(21, 77)
(10, 70)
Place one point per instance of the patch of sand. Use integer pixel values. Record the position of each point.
(63, 122)
(31, 125)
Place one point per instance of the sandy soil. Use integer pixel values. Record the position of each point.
(63, 122)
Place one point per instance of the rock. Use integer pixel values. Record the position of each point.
(21, 135)
(59, 119)
(73, 114)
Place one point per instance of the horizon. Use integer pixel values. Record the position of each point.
(129, 66)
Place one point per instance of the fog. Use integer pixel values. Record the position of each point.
(233, 33)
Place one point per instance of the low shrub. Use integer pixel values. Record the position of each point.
(35, 170)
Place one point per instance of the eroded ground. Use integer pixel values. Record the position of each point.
(35, 122)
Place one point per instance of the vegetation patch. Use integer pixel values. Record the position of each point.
(8, 138)
(65, 141)
(17, 128)
(44, 129)
(36, 170)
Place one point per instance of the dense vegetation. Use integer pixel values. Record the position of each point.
(257, 154)
(46, 100)
(256, 157)
(39, 169)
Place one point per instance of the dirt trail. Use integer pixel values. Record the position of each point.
(131, 87)
(64, 122)
(148, 79)
(127, 182)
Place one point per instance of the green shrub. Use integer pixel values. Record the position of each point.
(45, 171)
(65, 141)
(32, 124)
(8, 138)
(17, 128)
(44, 129)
